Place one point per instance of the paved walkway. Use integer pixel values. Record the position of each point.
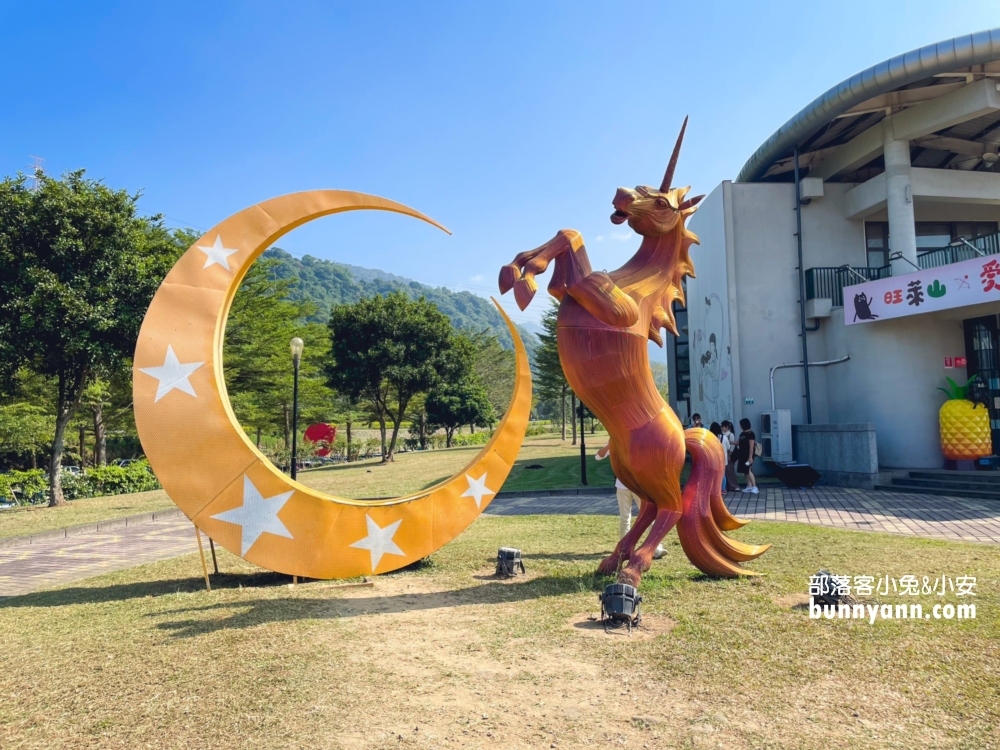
(913, 514)
(59, 561)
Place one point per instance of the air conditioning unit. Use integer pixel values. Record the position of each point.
(776, 435)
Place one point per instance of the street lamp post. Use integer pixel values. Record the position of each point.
(583, 449)
(296, 345)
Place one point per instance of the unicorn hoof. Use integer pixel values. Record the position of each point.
(630, 576)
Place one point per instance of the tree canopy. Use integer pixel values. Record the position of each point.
(78, 268)
(385, 350)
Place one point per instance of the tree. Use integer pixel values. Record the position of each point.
(258, 367)
(24, 428)
(451, 404)
(78, 268)
(420, 425)
(550, 380)
(661, 379)
(109, 402)
(385, 350)
(495, 368)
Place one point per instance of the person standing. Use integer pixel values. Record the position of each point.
(745, 456)
(729, 446)
(696, 420)
(625, 500)
(716, 429)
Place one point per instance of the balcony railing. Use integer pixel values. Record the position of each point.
(830, 282)
(942, 256)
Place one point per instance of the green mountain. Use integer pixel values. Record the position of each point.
(326, 284)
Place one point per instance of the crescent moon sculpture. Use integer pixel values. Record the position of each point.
(216, 475)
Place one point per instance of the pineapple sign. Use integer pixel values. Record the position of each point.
(965, 425)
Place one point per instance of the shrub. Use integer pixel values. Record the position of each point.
(28, 483)
(119, 480)
(476, 438)
(100, 480)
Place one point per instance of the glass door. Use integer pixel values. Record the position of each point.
(982, 353)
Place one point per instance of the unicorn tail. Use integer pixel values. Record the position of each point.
(705, 514)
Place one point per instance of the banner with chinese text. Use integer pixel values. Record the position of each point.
(970, 282)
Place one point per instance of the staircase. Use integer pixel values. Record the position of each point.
(983, 485)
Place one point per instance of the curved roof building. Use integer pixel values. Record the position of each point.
(858, 104)
(833, 299)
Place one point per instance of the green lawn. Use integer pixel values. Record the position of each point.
(409, 473)
(444, 656)
(35, 519)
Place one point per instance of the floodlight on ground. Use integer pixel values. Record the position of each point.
(620, 607)
(509, 562)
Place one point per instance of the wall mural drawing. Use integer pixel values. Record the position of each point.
(715, 396)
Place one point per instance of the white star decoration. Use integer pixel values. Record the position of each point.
(217, 254)
(477, 489)
(257, 515)
(172, 375)
(379, 541)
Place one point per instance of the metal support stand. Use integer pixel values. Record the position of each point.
(204, 565)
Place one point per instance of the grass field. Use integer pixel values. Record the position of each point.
(410, 472)
(444, 656)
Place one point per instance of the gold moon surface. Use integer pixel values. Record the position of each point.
(216, 475)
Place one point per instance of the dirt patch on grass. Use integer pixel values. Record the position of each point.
(451, 687)
(792, 601)
(589, 624)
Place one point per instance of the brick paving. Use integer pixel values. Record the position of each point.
(913, 514)
(55, 562)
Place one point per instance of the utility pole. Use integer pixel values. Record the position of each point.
(36, 169)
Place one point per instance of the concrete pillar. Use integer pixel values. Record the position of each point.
(899, 195)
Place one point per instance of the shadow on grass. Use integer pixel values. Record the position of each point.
(247, 614)
(124, 591)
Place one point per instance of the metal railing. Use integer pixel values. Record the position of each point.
(830, 282)
(955, 253)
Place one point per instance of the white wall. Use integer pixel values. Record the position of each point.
(767, 293)
(828, 239)
(891, 380)
(709, 313)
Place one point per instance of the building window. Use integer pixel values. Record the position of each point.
(877, 243)
(931, 235)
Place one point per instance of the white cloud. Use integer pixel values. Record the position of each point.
(477, 277)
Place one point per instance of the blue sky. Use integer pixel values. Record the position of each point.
(504, 121)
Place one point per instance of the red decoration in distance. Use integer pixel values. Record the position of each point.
(323, 435)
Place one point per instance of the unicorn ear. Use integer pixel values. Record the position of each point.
(669, 176)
